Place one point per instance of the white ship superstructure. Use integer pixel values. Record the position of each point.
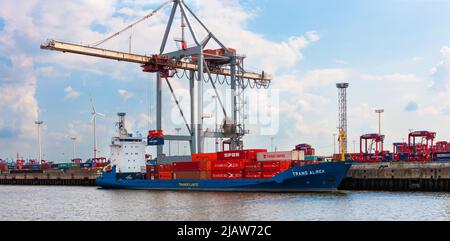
(127, 150)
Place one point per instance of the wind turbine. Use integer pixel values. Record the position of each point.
(94, 114)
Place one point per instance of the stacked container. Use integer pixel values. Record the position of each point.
(165, 172)
(3, 167)
(285, 156)
(248, 155)
(231, 165)
(191, 170)
(152, 172)
(308, 149)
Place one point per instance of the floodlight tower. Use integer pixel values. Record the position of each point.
(342, 87)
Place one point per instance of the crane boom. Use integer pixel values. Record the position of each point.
(94, 52)
(65, 47)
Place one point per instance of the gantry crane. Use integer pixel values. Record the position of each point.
(372, 149)
(420, 145)
(196, 61)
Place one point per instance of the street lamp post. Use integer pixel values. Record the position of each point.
(74, 139)
(379, 112)
(39, 124)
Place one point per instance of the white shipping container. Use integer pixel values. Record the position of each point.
(281, 156)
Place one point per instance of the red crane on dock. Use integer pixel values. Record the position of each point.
(373, 148)
(420, 146)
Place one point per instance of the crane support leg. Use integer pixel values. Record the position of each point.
(200, 104)
(159, 109)
(193, 127)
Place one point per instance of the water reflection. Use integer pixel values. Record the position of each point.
(80, 203)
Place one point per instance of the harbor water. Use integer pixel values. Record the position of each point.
(90, 203)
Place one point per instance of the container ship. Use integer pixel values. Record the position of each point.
(255, 170)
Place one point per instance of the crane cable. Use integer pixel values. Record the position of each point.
(215, 89)
(131, 25)
(178, 105)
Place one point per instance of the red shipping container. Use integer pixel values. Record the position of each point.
(231, 165)
(231, 175)
(152, 169)
(165, 176)
(205, 165)
(267, 175)
(252, 154)
(297, 163)
(310, 152)
(271, 166)
(186, 166)
(285, 165)
(253, 175)
(204, 157)
(239, 155)
(203, 175)
(165, 168)
(253, 166)
(232, 155)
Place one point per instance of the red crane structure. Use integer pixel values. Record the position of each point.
(420, 146)
(400, 151)
(373, 148)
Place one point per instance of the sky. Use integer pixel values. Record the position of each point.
(395, 54)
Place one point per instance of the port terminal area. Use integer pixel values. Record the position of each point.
(386, 176)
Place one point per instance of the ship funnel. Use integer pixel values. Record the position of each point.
(121, 124)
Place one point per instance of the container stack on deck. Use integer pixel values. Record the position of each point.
(232, 165)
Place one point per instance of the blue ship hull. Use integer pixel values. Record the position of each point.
(325, 177)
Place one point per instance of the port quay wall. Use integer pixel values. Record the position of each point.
(61, 178)
(432, 176)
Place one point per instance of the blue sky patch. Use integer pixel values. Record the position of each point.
(411, 106)
(2, 24)
(99, 28)
(5, 61)
(7, 133)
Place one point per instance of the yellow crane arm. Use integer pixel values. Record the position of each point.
(95, 52)
(143, 60)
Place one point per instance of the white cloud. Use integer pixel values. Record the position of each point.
(17, 98)
(361, 112)
(297, 83)
(144, 120)
(441, 72)
(71, 94)
(263, 54)
(401, 78)
(125, 94)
